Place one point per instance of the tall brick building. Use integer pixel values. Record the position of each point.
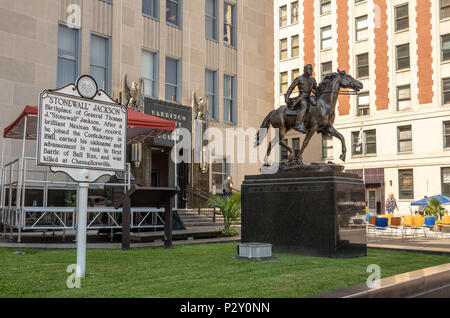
(400, 51)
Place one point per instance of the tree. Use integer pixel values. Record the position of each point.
(229, 207)
(434, 208)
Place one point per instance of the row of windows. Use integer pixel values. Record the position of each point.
(295, 47)
(69, 58)
(284, 14)
(366, 142)
(173, 16)
(406, 183)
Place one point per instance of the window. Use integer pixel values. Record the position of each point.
(362, 61)
(402, 56)
(150, 8)
(369, 143)
(294, 46)
(325, 37)
(283, 49)
(446, 91)
(404, 137)
(284, 82)
(325, 6)
(229, 25)
(229, 99)
(445, 9)
(363, 104)
(150, 73)
(326, 68)
(403, 97)
(99, 67)
(445, 47)
(173, 12)
(283, 16)
(406, 184)
(362, 28)
(447, 134)
(327, 147)
(211, 20)
(401, 17)
(68, 56)
(220, 171)
(445, 181)
(294, 12)
(211, 93)
(295, 74)
(172, 80)
(296, 143)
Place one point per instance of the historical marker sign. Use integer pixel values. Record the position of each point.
(79, 132)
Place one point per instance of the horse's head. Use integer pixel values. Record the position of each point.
(347, 81)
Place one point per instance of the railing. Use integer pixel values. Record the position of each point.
(201, 207)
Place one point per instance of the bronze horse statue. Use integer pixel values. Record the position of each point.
(319, 119)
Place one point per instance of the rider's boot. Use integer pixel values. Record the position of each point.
(301, 128)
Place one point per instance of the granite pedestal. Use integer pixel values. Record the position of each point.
(305, 212)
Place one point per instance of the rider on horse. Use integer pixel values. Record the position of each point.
(306, 84)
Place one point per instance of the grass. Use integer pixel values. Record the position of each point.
(208, 270)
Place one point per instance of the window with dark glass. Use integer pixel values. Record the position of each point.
(325, 6)
(295, 73)
(284, 82)
(296, 143)
(406, 184)
(447, 134)
(99, 65)
(362, 28)
(403, 61)
(220, 171)
(229, 24)
(283, 16)
(325, 69)
(68, 55)
(445, 47)
(229, 99)
(294, 46)
(211, 19)
(283, 49)
(173, 12)
(327, 147)
(368, 144)
(149, 73)
(363, 104)
(446, 91)
(362, 61)
(445, 9)
(211, 93)
(150, 8)
(403, 97)
(401, 17)
(294, 12)
(445, 177)
(325, 37)
(404, 136)
(172, 80)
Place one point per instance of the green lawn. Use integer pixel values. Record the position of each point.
(208, 270)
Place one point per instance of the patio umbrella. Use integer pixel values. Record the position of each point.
(424, 202)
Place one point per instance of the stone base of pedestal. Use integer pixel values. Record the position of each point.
(305, 212)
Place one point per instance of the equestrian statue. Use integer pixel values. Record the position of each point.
(307, 113)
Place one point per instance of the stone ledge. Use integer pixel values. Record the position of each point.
(427, 282)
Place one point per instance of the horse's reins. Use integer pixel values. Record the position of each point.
(345, 93)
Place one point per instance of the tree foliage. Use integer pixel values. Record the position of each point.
(229, 207)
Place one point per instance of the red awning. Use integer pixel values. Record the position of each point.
(141, 126)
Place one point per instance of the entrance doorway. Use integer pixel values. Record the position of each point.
(373, 199)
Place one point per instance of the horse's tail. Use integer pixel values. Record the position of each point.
(264, 127)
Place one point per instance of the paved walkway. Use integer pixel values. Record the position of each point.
(49, 242)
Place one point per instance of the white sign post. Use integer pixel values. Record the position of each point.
(82, 132)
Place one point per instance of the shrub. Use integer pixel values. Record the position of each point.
(229, 207)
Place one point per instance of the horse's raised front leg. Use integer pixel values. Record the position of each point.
(338, 135)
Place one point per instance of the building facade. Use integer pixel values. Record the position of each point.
(220, 49)
(400, 51)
